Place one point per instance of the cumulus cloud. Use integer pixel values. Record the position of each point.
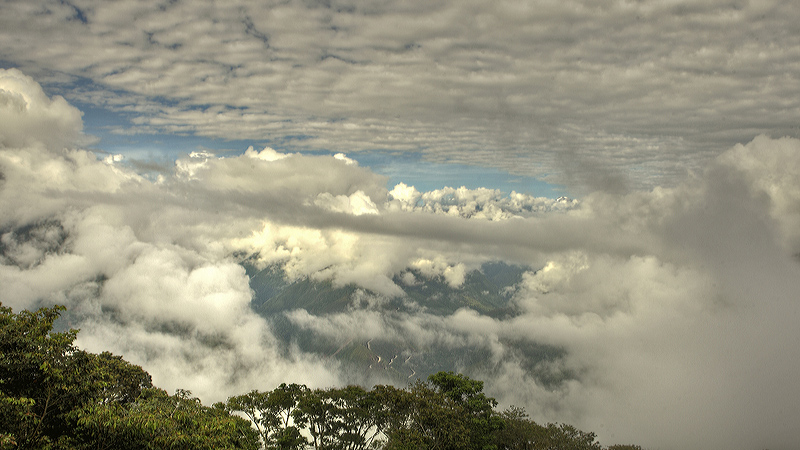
(688, 327)
(769, 168)
(671, 310)
(481, 203)
(452, 274)
(30, 117)
(139, 276)
(684, 319)
(356, 203)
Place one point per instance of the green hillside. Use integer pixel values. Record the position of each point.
(487, 291)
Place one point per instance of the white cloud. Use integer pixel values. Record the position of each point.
(687, 325)
(453, 274)
(770, 168)
(30, 118)
(356, 203)
(614, 96)
(481, 203)
(343, 157)
(268, 154)
(144, 272)
(404, 197)
(675, 306)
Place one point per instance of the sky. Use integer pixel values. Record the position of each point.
(145, 146)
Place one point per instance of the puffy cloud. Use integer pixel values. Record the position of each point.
(404, 197)
(438, 267)
(673, 309)
(342, 256)
(144, 271)
(481, 203)
(687, 326)
(770, 168)
(652, 342)
(26, 250)
(691, 316)
(31, 118)
(356, 204)
(292, 177)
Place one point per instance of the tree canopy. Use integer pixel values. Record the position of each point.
(54, 395)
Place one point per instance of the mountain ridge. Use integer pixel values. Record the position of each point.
(487, 291)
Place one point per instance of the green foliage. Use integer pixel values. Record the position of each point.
(450, 411)
(157, 421)
(357, 418)
(521, 433)
(271, 413)
(42, 376)
(56, 396)
(348, 418)
(567, 437)
(395, 408)
(436, 421)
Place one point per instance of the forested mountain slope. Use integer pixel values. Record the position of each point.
(56, 396)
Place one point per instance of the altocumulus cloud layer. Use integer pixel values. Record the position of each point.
(595, 95)
(677, 306)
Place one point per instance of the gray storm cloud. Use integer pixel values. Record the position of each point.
(676, 307)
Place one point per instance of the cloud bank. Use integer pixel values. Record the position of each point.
(676, 307)
(615, 96)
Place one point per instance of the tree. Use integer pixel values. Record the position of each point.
(358, 417)
(567, 437)
(346, 418)
(316, 413)
(158, 420)
(56, 396)
(42, 376)
(522, 433)
(519, 433)
(394, 408)
(281, 406)
(251, 405)
(468, 399)
(433, 421)
(271, 413)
